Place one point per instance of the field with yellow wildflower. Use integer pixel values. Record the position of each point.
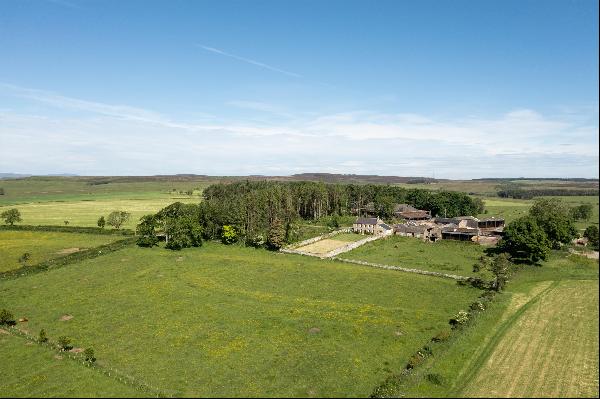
(228, 320)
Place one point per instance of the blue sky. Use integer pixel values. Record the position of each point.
(459, 89)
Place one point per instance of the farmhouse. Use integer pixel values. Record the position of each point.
(371, 226)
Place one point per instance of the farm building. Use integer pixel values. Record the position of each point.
(423, 231)
(490, 223)
(408, 212)
(371, 226)
(459, 233)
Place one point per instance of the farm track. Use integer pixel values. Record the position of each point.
(543, 349)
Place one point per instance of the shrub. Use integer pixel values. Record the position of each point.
(591, 233)
(89, 355)
(441, 336)
(435, 379)
(7, 318)
(229, 235)
(477, 306)
(65, 343)
(460, 319)
(43, 337)
(415, 360)
(256, 241)
(25, 257)
(101, 222)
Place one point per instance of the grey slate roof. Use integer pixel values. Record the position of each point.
(372, 221)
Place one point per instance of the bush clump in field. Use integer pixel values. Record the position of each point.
(256, 241)
(11, 216)
(441, 336)
(24, 258)
(89, 355)
(101, 222)
(591, 233)
(477, 306)
(117, 218)
(65, 343)
(435, 378)
(460, 319)
(146, 232)
(43, 337)
(7, 318)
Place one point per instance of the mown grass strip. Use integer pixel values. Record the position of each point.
(68, 259)
(476, 365)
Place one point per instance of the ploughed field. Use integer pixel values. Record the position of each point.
(44, 245)
(227, 320)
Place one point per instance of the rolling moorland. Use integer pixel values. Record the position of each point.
(232, 320)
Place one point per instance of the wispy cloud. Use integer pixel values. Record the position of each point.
(520, 142)
(249, 61)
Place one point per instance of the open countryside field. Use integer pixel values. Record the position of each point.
(547, 318)
(86, 213)
(30, 370)
(551, 350)
(43, 245)
(511, 209)
(443, 256)
(329, 244)
(43, 189)
(226, 320)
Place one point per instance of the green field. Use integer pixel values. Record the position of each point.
(43, 245)
(86, 213)
(443, 256)
(511, 209)
(221, 320)
(539, 338)
(30, 370)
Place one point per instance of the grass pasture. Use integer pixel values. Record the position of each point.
(226, 320)
(44, 245)
(443, 256)
(539, 338)
(326, 245)
(30, 370)
(551, 350)
(86, 213)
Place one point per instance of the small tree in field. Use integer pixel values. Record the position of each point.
(582, 212)
(1, 191)
(499, 266)
(101, 222)
(117, 218)
(7, 318)
(65, 343)
(89, 355)
(66, 222)
(524, 240)
(145, 231)
(591, 233)
(43, 336)
(11, 216)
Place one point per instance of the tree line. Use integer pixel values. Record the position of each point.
(518, 192)
(268, 212)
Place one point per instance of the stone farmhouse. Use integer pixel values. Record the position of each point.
(371, 226)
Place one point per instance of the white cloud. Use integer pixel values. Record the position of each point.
(118, 139)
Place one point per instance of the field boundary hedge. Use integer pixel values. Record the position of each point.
(70, 229)
(68, 259)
